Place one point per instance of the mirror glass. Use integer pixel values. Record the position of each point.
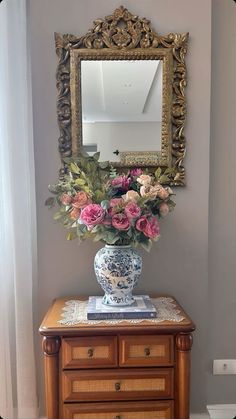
(121, 106)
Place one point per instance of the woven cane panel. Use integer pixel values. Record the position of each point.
(143, 384)
(123, 415)
(81, 352)
(137, 351)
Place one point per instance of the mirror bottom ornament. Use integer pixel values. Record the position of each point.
(117, 269)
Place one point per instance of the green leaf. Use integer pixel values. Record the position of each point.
(80, 182)
(105, 204)
(104, 164)
(53, 188)
(50, 202)
(164, 179)
(158, 173)
(74, 168)
(169, 171)
(58, 215)
(147, 244)
(72, 235)
(96, 156)
(98, 237)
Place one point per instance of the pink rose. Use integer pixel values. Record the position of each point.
(120, 221)
(121, 182)
(136, 172)
(92, 214)
(164, 209)
(132, 210)
(75, 213)
(148, 226)
(80, 200)
(65, 199)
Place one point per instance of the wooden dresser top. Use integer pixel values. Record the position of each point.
(51, 326)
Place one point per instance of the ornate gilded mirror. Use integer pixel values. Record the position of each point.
(122, 92)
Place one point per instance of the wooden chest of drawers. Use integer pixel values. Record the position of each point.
(124, 371)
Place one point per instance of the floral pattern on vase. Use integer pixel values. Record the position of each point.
(117, 269)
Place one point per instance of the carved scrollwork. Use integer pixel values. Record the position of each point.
(184, 342)
(51, 345)
(119, 33)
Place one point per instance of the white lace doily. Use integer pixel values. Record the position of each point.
(75, 312)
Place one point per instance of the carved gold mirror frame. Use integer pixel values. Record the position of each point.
(123, 36)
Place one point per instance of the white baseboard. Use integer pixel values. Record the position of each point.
(222, 411)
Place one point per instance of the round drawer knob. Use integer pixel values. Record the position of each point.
(117, 386)
(90, 352)
(147, 351)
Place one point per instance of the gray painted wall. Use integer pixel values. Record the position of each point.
(178, 264)
(222, 225)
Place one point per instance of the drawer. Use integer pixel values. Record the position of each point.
(146, 350)
(102, 385)
(120, 410)
(89, 352)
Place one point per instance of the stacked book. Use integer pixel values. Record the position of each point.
(142, 308)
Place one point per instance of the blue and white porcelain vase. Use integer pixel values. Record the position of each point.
(117, 269)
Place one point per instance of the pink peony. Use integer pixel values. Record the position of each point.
(136, 172)
(65, 199)
(120, 221)
(132, 210)
(148, 226)
(75, 213)
(121, 182)
(164, 209)
(80, 200)
(92, 214)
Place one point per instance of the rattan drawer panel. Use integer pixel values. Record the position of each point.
(89, 352)
(117, 385)
(136, 351)
(121, 410)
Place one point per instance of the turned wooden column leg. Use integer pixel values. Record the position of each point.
(183, 351)
(51, 346)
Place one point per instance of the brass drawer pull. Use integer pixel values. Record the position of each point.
(90, 352)
(118, 417)
(147, 351)
(117, 386)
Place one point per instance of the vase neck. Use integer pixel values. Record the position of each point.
(113, 246)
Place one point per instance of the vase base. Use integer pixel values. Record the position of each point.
(118, 301)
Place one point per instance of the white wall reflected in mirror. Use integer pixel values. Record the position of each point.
(121, 106)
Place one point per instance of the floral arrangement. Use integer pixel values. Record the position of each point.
(117, 209)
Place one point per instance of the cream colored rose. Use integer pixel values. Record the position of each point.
(144, 180)
(131, 196)
(161, 192)
(148, 191)
(164, 209)
(144, 190)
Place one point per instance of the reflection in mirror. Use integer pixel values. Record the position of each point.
(121, 106)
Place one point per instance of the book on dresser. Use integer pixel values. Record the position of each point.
(142, 308)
